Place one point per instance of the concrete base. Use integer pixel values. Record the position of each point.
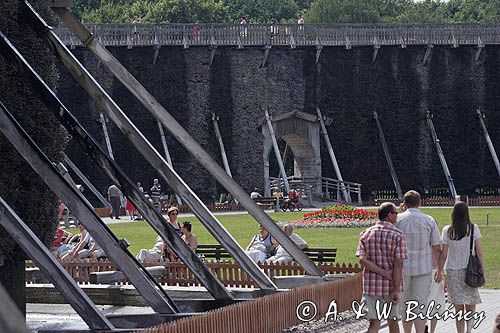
(296, 281)
(189, 299)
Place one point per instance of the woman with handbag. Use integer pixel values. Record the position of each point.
(461, 240)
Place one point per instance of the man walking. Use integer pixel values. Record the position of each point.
(156, 193)
(381, 251)
(114, 195)
(422, 239)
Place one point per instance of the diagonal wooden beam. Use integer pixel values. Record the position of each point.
(161, 301)
(11, 319)
(51, 268)
(138, 276)
(123, 123)
(186, 140)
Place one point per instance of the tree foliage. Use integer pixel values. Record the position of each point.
(316, 11)
(162, 11)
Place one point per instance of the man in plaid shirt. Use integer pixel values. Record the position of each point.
(381, 251)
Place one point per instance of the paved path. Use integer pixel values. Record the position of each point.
(490, 306)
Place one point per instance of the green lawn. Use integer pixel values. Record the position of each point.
(243, 227)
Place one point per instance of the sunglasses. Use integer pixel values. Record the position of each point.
(394, 213)
(173, 213)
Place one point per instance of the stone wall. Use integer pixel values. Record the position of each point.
(346, 86)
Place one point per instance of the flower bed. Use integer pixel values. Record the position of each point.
(337, 216)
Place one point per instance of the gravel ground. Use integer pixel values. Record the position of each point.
(347, 324)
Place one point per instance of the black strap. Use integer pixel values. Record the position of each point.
(471, 237)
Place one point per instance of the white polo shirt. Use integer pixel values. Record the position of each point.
(421, 232)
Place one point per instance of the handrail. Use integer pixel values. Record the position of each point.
(347, 35)
(329, 184)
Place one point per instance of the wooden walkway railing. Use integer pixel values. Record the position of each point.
(229, 273)
(345, 35)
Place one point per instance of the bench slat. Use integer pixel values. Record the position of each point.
(218, 252)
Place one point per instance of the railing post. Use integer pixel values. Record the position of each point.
(360, 202)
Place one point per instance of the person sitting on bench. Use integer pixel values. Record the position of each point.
(258, 249)
(255, 195)
(281, 254)
(190, 238)
(154, 254)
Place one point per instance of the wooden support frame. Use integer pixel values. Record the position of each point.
(167, 155)
(319, 48)
(102, 120)
(11, 319)
(376, 48)
(144, 283)
(480, 47)
(215, 120)
(493, 153)
(213, 50)
(388, 157)
(152, 156)
(51, 268)
(267, 48)
(439, 151)
(347, 197)
(428, 54)
(156, 53)
(188, 142)
(86, 181)
(151, 290)
(277, 151)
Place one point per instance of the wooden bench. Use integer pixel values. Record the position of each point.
(269, 203)
(218, 252)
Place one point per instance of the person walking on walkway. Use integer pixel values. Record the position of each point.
(114, 196)
(381, 251)
(422, 240)
(456, 249)
(156, 194)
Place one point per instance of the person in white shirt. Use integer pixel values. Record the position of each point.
(255, 194)
(154, 254)
(456, 249)
(258, 249)
(281, 254)
(422, 239)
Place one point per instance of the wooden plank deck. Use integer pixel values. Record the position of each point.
(490, 305)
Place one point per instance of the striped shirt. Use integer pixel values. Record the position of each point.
(382, 244)
(421, 233)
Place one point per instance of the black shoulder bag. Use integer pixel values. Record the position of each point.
(474, 276)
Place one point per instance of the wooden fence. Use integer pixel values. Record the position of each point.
(229, 273)
(292, 35)
(272, 313)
